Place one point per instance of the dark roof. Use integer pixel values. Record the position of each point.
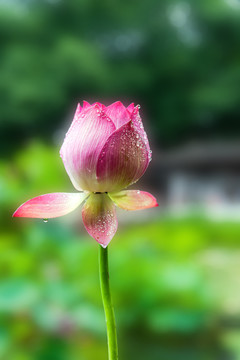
(200, 154)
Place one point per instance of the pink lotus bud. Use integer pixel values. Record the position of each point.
(105, 150)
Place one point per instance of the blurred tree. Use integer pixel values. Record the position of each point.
(180, 59)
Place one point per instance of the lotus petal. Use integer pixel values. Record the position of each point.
(82, 145)
(99, 218)
(86, 105)
(123, 159)
(50, 205)
(118, 114)
(133, 199)
(131, 107)
(137, 121)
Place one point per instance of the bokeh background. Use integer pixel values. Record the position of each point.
(174, 270)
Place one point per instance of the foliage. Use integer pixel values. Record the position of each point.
(179, 59)
(168, 279)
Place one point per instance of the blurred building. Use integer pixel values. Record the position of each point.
(201, 177)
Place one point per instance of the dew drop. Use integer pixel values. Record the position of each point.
(45, 220)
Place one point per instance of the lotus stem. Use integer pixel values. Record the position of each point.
(107, 304)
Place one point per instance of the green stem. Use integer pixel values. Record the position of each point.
(107, 304)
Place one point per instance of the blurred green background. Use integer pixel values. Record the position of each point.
(174, 270)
